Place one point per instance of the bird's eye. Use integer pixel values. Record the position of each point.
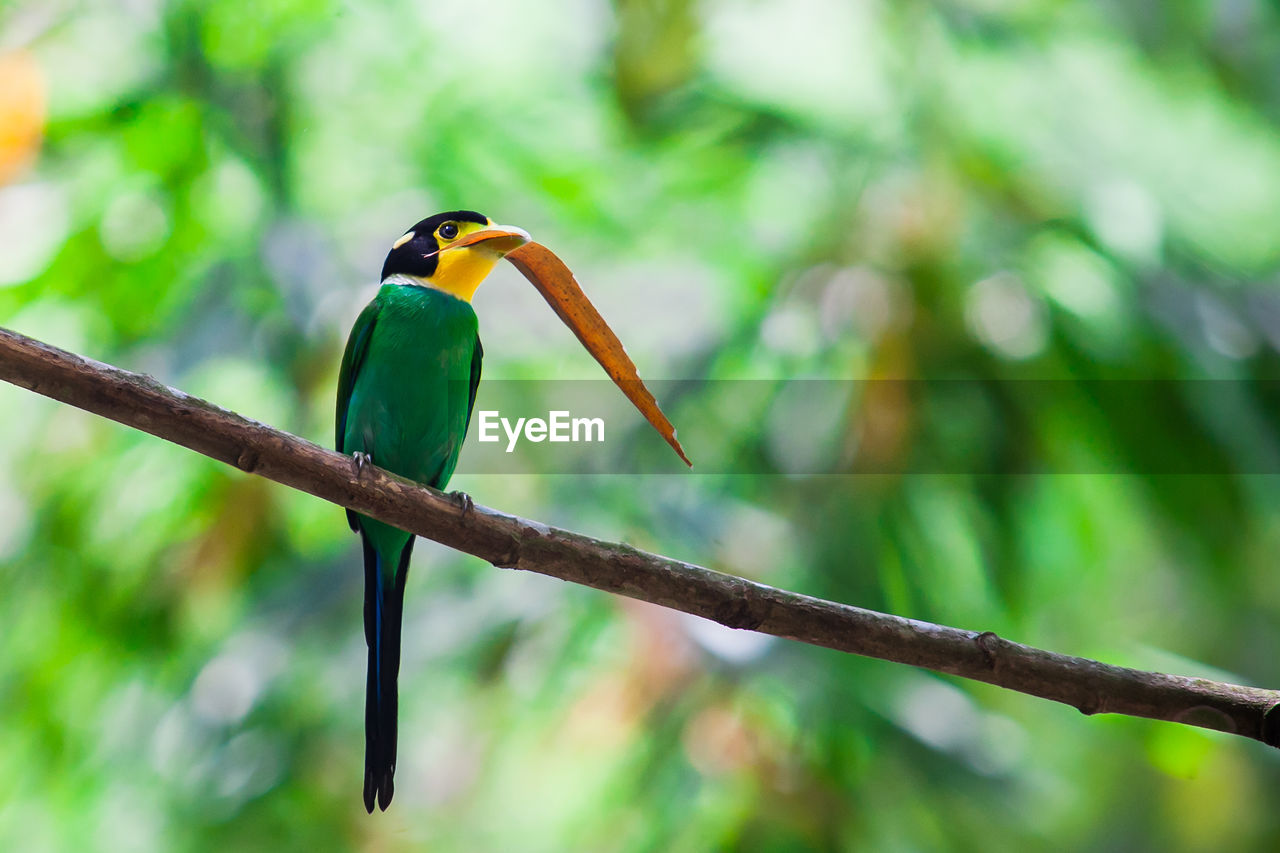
(448, 231)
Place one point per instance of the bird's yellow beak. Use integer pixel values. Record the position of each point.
(493, 239)
(465, 262)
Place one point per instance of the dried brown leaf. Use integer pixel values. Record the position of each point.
(557, 285)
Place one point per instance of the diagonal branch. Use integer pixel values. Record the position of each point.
(512, 542)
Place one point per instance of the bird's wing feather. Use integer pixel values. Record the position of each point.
(352, 360)
(476, 357)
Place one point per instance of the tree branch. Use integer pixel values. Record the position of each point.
(508, 541)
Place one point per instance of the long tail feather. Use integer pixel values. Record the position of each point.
(383, 608)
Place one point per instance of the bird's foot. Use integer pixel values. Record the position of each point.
(359, 460)
(463, 500)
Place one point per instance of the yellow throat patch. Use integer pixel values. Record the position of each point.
(460, 271)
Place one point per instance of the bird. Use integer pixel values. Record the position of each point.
(406, 389)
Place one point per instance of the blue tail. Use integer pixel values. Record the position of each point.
(383, 607)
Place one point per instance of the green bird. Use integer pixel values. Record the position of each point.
(405, 393)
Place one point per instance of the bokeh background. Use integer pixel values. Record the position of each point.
(985, 190)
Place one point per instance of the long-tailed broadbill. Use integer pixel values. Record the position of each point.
(405, 394)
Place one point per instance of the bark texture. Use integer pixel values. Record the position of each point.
(512, 542)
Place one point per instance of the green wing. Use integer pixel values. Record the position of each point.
(476, 358)
(447, 463)
(352, 360)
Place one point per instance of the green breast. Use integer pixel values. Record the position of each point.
(410, 398)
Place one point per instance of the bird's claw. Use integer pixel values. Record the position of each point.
(463, 500)
(359, 460)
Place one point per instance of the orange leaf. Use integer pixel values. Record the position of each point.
(563, 293)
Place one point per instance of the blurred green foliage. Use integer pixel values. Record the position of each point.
(750, 189)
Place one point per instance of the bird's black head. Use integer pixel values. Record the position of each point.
(416, 252)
